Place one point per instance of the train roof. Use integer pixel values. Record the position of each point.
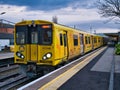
(49, 22)
(32, 21)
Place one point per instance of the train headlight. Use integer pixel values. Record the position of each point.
(20, 55)
(44, 58)
(48, 55)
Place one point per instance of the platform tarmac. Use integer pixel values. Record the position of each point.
(94, 75)
(6, 55)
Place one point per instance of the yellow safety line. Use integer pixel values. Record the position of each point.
(72, 71)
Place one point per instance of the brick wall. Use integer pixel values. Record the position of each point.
(7, 30)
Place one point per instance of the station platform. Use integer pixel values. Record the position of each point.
(6, 55)
(91, 73)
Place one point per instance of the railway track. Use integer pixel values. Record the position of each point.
(4, 62)
(10, 76)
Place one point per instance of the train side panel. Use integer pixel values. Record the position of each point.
(95, 45)
(67, 44)
(70, 45)
(61, 45)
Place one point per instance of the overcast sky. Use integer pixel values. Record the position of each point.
(81, 13)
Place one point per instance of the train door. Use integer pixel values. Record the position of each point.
(33, 44)
(81, 43)
(63, 45)
(92, 40)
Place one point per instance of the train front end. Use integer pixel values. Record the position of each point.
(33, 45)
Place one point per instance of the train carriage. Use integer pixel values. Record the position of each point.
(40, 44)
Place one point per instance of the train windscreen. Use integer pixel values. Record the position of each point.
(45, 34)
(39, 34)
(21, 35)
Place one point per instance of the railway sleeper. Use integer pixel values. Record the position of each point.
(12, 80)
(7, 72)
(15, 84)
(4, 77)
(9, 67)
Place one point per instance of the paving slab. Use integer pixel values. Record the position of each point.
(117, 63)
(105, 62)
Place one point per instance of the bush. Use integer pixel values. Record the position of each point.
(117, 51)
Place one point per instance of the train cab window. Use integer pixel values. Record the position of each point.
(45, 37)
(34, 37)
(75, 39)
(20, 38)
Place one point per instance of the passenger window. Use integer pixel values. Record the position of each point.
(95, 40)
(92, 40)
(61, 42)
(89, 40)
(86, 41)
(99, 40)
(75, 39)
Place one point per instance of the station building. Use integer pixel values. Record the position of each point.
(6, 35)
(114, 38)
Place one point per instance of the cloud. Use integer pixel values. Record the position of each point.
(71, 15)
(12, 8)
(47, 5)
(107, 30)
(39, 4)
(65, 15)
(16, 13)
(81, 17)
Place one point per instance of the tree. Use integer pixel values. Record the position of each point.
(109, 8)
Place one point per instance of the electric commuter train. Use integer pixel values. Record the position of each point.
(42, 45)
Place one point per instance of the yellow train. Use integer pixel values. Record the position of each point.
(41, 45)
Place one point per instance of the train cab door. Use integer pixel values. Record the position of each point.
(63, 52)
(81, 43)
(34, 44)
(65, 44)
